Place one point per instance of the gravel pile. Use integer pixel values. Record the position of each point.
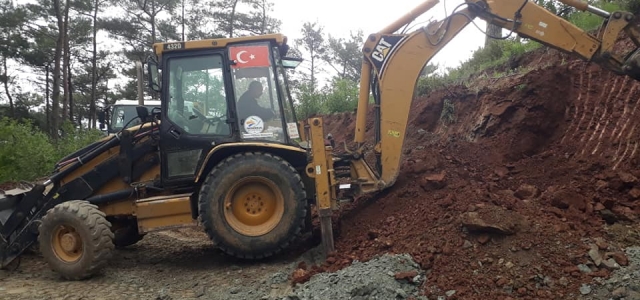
(624, 283)
(384, 277)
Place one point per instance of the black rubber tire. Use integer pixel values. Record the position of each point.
(222, 178)
(94, 231)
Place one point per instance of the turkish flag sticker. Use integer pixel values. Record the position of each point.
(249, 56)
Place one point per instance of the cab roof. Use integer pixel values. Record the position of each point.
(160, 48)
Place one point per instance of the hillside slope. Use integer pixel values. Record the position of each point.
(508, 199)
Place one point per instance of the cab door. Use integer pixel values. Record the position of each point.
(196, 112)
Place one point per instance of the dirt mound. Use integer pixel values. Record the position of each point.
(550, 154)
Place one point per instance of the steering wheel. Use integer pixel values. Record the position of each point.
(210, 121)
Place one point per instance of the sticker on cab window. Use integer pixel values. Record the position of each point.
(253, 125)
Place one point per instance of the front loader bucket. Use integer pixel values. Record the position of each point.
(17, 229)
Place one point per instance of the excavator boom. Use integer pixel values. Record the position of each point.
(393, 61)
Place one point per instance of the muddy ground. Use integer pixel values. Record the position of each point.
(527, 189)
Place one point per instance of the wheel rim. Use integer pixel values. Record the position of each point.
(254, 206)
(67, 243)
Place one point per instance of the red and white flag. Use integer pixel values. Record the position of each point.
(249, 56)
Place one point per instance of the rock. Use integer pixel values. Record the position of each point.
(563, 281)
(509, 265)
(450, 293)
(199, 292)
(501, 171)
(595, 255)
(494, 219)
(601, 184)
(401, 293)
(502, 281)
(526, 191)
(434, 181)
(566, 198)
(278, 277)
(585, 289)
(611, 264)
(608, 216)
(483, 239)
(624, 213)
(619, 257)
(408, 276)
(584, 268)
(601, 243)
(466, 244)
(598, 207)
(634, 193)
(619, 292)
(300, 276)
(622, 181)
(627, 177)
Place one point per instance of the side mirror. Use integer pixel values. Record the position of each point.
(153, 75)
(143, 113)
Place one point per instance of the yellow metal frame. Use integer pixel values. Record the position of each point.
(244, 144)
(155, 213)
(160, 48)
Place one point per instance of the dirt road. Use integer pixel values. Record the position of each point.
(169, 265)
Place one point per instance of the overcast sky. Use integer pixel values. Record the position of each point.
(339, 17)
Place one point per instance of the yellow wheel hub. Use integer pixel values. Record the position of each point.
(254, 206)
(67, 243)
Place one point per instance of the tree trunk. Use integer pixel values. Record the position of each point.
(5, 81)
(55, 106)
(264, 17)
(70, 91)
(232, 19)
(152, 18)
(66, 58)
(94, 69)
(494, 31)
(46, 92)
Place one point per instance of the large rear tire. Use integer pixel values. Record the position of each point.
(76, 239)
(253, 205)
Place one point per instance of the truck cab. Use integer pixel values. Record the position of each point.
(122, 114)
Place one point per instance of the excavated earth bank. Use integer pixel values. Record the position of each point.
(531, 192)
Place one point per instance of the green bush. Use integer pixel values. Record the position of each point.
(448, 113)
(588, 21)
(341, 96)
(27, 153)
(309, 102)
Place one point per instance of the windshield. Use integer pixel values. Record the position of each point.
(123, 114)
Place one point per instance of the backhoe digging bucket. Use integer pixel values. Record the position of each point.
(18, 230)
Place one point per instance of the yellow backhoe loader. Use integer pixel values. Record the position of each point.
(241, 165)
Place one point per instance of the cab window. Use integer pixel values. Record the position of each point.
(197, 99)
(257, 102)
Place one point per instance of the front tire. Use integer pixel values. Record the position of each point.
(76, 239)
(253, 205)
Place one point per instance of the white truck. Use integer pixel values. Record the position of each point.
(121, 114)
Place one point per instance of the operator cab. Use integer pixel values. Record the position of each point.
(217, 92)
